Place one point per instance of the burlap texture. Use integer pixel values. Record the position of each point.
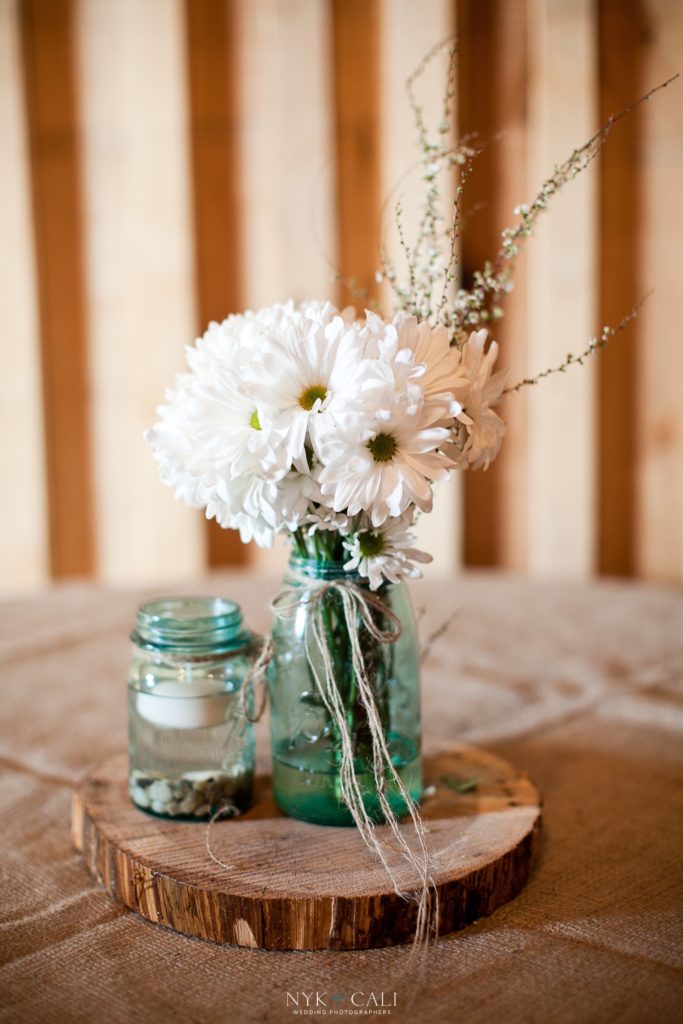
(578, 684)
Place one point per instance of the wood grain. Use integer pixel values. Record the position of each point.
(285, 149)
(620, 216)
(141, 311)
(24, 538)
(409, 31)
(291, 885)
(493, 36)
(53, 126)
(510, 152)
(562, 288)
(214, 116)
(357, 100)
(658, 527)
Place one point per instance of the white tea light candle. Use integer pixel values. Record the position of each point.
(181, 705)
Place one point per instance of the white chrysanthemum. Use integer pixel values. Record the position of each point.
(245, 503)
(218, 450)
(485, 428)
(302, 418)
(300, 375)
(387, 553)
(260, 508)
(323, 312)
(424, 367)
(384, 463)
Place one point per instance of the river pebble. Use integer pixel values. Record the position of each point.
(194, 795)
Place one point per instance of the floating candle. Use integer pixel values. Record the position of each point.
(180, 705)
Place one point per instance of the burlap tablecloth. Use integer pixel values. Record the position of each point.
(578, 684)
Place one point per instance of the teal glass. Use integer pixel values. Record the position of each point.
(306, 746)
(191, 745)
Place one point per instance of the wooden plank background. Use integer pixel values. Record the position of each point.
(170, 162)
(52, 127)
(140, 275)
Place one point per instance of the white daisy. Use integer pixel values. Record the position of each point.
(301, 373)
(384, 463)
(386, 553)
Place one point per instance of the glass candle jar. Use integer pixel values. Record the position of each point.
(306, 745)
(191, 746)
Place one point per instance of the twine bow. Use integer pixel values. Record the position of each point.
(354, 598)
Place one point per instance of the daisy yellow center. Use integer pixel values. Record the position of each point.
(382, 447)
(371, 544)
(310, 396)
(254, 421)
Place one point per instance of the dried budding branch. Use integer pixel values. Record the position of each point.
(428, 260)
(496, 278)
(594, 345)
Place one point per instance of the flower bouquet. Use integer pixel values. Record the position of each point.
(334, 430)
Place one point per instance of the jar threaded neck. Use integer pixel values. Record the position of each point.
(189, 625)
(320, 568)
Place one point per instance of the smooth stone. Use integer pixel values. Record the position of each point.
(140, 796)
(159, 807)
(202, 810)
(161, 791)
(190, 802)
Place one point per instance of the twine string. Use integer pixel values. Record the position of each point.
(358, 605)
(256, 676)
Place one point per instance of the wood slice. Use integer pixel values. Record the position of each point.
(286, 884)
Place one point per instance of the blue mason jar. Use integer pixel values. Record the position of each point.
(306, 742)
(191, 745)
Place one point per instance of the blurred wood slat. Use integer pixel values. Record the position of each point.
(166, 163)
(620, 235)
(214, 110)
(140, 273)
(359, 128)
(286, 157)
(407, 27)
(493, 104)
(659, 363)
(52, 117)
(24, 542)
(562, 291)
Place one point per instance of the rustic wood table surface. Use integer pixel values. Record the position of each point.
(578, 684)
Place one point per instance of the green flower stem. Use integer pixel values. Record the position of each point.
(326, 546)
(339, 644)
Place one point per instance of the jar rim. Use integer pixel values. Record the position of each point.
(189, 624)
